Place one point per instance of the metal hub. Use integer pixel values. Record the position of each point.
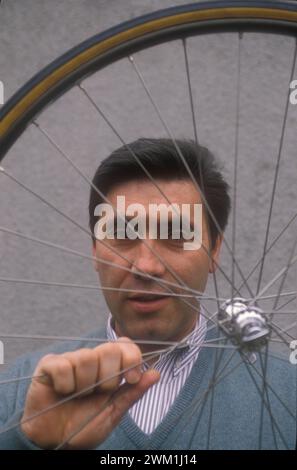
(244, 324)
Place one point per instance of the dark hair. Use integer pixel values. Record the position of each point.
(161, 159)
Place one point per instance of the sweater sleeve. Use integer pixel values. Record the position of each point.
(14, 384)
(13, 391)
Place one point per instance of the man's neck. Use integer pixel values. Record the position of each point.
(151, 350)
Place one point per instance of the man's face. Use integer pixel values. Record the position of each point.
(136, 315)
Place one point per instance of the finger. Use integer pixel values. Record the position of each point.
(85, 366)
(131, 356)
(109, 357)
(57, 372)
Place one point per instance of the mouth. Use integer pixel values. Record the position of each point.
(148, 302)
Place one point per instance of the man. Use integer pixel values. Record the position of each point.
(127, 394)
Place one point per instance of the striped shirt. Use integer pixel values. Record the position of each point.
(174, 367)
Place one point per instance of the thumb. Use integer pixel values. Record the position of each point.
(129, 394)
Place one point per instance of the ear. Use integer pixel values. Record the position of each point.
(94, 254)
(215, 253)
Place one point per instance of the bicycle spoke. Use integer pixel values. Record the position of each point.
(217, 361)
(265, 393)
(271, 424)
(281, 273)
(190, 92)
(219, 346)
(63, 154)
(91, 287)
(276, 331)
(277, 167)
(153, 181)
(266, 406)
(285, 359)
(91, 417)
(275, 240)
(276, 312)
(201, 400)
(283, 294)
(286, 329)
(236, 148)
(283, 279)
(154, 104)
(213, 340)
(99, 192)
(291, 414)
(77, 224)
(108, 263)
(20, 379)
(286, 303)
(88, 420)
(77, 394)
(189, 83)
(85, 422)
(84, 338)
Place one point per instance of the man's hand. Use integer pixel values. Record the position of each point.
(71, 372)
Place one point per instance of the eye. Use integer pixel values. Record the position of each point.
(125, 232)
(120, 233)
(175, 234)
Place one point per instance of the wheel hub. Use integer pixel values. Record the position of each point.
(244, 324)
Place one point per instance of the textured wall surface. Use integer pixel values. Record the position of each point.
(33, 33)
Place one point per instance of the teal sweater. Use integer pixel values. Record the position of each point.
(233, 410)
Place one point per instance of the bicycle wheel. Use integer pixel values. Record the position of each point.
(253, 35)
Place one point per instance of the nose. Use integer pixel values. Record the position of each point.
(148, 260)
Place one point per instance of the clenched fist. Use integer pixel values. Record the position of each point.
(65, 374)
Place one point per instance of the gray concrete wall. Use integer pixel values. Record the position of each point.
(33, 33)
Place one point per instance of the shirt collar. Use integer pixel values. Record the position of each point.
(184, 354)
